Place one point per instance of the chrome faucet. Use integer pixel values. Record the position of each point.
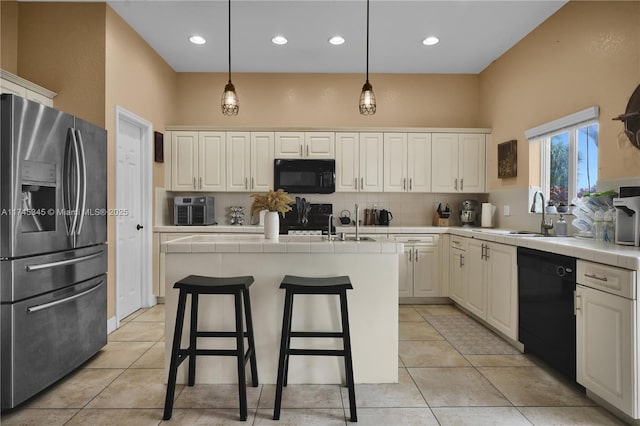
(357, 222)
(544, 225)
(329, 228)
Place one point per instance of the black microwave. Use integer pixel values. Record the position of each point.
(305, 176)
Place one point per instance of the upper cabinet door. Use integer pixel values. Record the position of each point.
(262, 155)
(319, 145)
(444, 162)
(238, 161)
(184, 161)
(211, 163)
(371, 163)
(395, 162)
(347, 161)
(289, 144)
(419, 162)
(472, 164)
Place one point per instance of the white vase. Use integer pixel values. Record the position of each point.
(271, 226)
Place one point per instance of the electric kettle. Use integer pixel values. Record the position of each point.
(384, 217)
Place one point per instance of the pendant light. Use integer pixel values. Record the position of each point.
(367, 98)
(230, 102)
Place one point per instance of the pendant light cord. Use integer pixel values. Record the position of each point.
(367, 41)
(230, 41)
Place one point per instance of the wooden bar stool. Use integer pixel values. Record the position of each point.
(305, 285)
(196, 285)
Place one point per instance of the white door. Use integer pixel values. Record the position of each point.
(604, 352)
(347, 161)
(319, 145)
(444, 162)
(475, 279)
(395, 162)
(133, 224)
(472, 166)
(405, 277)
(371, 162)
(502, 286)
(456, 275)
(289, 144)
(184, 161)
(238, 161)
(211, 162)
(419, 162)
(426, 268)
(262, 155)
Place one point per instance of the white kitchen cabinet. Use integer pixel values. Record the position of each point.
(419, 266)
(457, 254)
(407, 162)
(197, 161)
(605, 337)
(606, 334)
(483, 280)
(305, 145)
(458, 162)
(250, 158)
(359, 162)
(13, 84)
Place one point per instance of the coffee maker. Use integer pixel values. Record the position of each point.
(628, 216)
(469, 213)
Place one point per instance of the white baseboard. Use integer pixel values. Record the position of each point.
(111, 325)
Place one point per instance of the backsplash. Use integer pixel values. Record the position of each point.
(408, 209)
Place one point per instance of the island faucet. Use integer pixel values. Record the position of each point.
(357, 222)
(329, 228)
(544, 225)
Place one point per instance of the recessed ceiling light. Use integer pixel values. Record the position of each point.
(336, 40)
(279, 40)
(196, 39)
(430, 41)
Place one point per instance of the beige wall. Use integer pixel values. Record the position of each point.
(140, 81)
(588, 53)
(9, 36)
(61, 47)
(330, 100)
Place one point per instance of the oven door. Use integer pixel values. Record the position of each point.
(46, 337)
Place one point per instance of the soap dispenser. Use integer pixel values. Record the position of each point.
(561, 227)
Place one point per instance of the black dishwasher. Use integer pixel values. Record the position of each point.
(546, 320)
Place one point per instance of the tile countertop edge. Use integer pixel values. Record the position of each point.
(616, 255)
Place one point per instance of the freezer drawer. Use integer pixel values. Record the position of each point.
(31, 276)
(46, 337)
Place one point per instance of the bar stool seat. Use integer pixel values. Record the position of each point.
(196, 285)
(314, 285)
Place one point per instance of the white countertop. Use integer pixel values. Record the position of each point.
(616, 255)
(212, 243)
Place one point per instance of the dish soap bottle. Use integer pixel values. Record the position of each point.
(561, 227)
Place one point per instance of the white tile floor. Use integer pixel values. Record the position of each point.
(447, 376)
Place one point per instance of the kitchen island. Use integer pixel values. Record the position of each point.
(373, 303)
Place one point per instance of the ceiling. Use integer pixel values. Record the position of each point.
(472, 33)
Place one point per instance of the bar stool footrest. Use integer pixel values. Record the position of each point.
(335, 334)
(319, 352)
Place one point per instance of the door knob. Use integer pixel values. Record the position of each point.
(139, 227)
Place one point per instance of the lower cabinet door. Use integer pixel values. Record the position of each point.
(405, 279)
(456, 276)
(476, 291)
(426, 280)
(604, 339)
(502, 289)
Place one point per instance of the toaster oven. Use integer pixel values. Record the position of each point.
(193, 211)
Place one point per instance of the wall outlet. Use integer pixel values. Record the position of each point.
(506, 210)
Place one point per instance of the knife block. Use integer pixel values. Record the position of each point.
(438, 221)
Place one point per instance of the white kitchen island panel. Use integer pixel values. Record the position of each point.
(373, 307)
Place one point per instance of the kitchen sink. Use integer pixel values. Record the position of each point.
(352, 238)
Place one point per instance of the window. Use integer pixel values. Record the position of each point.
(568, 155)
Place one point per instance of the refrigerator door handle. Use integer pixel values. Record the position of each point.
(83, 182)
(44, 306)
(40, 266)
(71, 185)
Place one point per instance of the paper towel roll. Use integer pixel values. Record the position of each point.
(486, 220)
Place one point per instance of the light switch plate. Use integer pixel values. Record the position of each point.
(506, 210)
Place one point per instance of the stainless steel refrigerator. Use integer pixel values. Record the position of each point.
(53, 255)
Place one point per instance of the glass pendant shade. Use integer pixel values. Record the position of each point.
(230, 102)
(367, 100)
